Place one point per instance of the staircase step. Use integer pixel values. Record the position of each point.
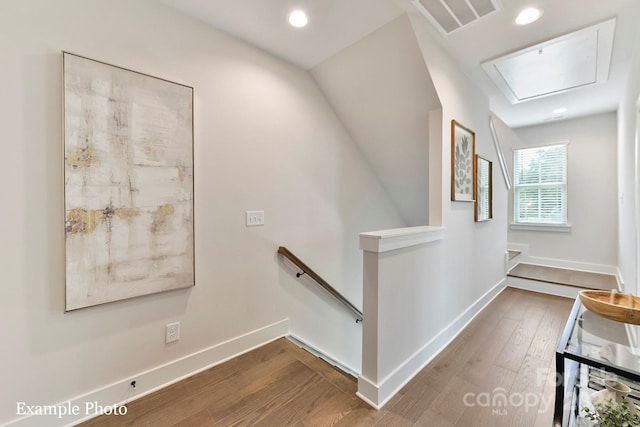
(563, 276)
(513, 253)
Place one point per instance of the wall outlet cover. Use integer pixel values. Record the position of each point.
(172, 332)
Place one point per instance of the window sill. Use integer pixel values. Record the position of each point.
(555, 228)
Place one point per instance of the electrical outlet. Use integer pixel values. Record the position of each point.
(172, 332)
(255, 218)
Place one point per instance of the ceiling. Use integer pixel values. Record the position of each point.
(337, 24)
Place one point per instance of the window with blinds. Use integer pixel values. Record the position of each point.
(540, 185)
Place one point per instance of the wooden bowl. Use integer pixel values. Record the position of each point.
(613, 305)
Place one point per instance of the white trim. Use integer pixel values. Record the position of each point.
(572, 265)
(369, 392)
(525, 258)
(544, 287)
(557, 228)
(389, 240)
(377, 395)
(620, 280)
(548, 144)
(557, 289)
(120, 392)
(538, 186)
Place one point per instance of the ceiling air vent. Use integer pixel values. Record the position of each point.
(451, 15)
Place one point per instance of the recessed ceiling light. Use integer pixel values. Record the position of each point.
(298, 19)
(528, 15)
(560, 110)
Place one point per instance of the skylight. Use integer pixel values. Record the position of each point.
(575, 60)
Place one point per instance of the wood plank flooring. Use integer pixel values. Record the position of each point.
(562, 276)
(506, 351)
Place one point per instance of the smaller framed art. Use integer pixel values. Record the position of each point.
(463, 151)
(484, 189)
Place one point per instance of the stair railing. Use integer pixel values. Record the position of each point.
(320, 281)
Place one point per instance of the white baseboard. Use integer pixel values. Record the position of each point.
(525, 257)
(147, 382)
(543, 287)
(574, 265)
(377, 395)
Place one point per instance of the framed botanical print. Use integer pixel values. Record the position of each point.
(463, 150)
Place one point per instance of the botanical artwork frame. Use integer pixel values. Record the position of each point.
(483, 189)
(463, 151)
(128, 183)
(500, 153)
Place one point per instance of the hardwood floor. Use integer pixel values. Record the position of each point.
(508, 351)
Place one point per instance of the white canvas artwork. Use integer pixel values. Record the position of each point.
(128, 183)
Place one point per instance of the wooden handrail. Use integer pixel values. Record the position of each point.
(319, 280)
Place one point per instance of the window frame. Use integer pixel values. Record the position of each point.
(565, 226)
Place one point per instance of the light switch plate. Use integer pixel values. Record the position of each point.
(255, 218)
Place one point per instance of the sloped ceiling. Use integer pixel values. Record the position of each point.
(333, 24)
(336, 24)
(381, 90)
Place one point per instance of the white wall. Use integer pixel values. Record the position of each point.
(265, 138)
(408, 319)
(380, 88)
(424, 295)
(591, 191)
(628, 188)
(403, 314)
(628, 160)
(474, 251)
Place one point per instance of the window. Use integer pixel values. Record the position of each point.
(540, 187)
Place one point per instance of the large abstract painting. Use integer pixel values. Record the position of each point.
(128, 144)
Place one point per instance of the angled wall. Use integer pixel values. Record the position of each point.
(382, 92)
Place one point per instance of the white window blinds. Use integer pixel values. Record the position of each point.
(540, 176)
